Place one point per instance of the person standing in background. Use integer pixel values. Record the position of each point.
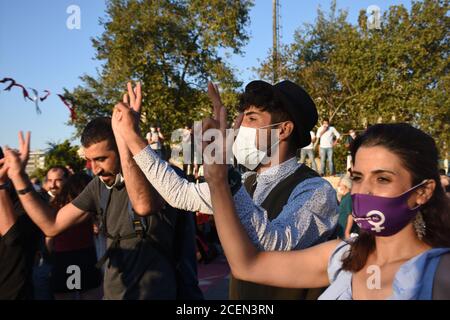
(348, 142)
(155, 139)
(309, 151)
(329, 137)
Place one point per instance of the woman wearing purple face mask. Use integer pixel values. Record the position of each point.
(403, 250)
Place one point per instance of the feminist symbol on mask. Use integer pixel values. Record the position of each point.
(377, 224)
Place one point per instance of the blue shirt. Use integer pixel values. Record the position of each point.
(413, 281)
(309, 216)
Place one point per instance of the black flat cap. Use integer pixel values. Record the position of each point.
(299, 105)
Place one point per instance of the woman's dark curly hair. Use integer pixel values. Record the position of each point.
(419, 156)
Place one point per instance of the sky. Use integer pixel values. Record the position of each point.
(38, 50)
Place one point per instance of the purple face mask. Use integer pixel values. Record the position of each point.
(383, 216)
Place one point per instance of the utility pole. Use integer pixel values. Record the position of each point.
(276, 39)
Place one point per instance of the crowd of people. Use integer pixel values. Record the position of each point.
(325, 140)
(139, 227)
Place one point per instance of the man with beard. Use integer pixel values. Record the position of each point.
(54, 181)
(140, 227)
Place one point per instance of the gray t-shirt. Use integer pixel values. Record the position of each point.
(135, 270)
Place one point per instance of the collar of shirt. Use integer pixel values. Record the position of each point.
(268, 179)
(117, 183)
(278, 172)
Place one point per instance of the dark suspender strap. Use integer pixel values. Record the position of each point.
(105, 199)
(250, 184)
(139, 223)
(163, 251)
(279, 195)
(115, 244)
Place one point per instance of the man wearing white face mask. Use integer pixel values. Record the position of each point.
(282, 205)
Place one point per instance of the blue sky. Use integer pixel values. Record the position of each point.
(39, 51)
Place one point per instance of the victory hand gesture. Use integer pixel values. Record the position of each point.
(215, 167)
(126, 114)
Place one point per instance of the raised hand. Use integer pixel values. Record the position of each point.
(24, 148)
(16, 161)
(215, 168)
(13, 163)
(3, 171)
(126, 114)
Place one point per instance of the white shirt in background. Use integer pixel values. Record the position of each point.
(326, 138)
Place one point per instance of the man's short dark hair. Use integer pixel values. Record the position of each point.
(326, 120)
(66, 172)
(261, 95)
(98, 130)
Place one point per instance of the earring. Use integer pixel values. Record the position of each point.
(419, 226)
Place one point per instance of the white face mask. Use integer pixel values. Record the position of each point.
(245, 149)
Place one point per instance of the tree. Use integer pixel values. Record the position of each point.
(359, 76)
(61, 154)
(172, 47)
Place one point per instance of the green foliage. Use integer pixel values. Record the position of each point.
(357, 76)
(61, 154)
(172, 47)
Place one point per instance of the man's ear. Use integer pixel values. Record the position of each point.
(425, 192)
(286, 129)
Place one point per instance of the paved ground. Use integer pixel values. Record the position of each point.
(213, 279)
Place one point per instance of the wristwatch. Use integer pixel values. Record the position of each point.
(29, 188)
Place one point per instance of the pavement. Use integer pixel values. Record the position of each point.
(213, 278)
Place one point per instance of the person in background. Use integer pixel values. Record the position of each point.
(36, 183)
(309, 151)
(348, 142)
(345, 227)
(187, 143)
(75, 246)
(329, 137)
(55, 179)
(155, 139)
(445, 181)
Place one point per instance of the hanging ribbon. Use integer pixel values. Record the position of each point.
(35, 99)
(69, 105)
(46, 96)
